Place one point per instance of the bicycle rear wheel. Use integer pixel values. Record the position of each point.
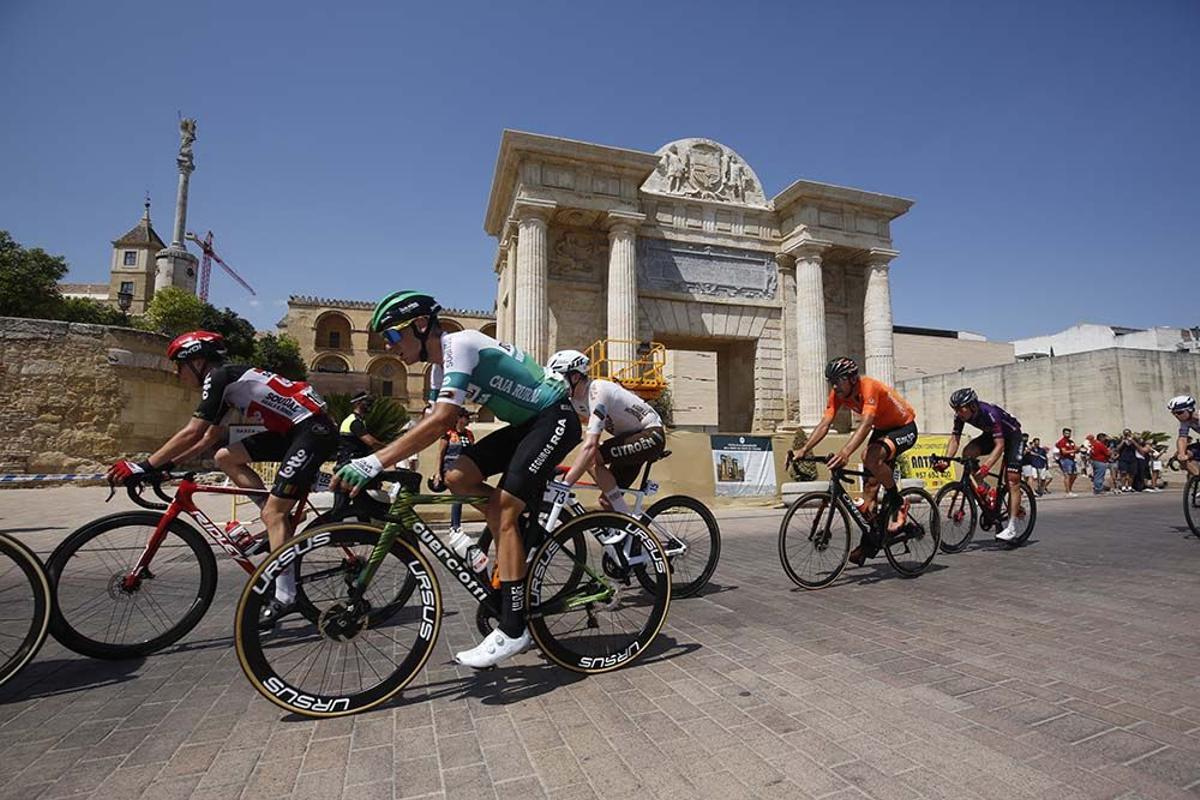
(911, 549)
(814, 541)
(958, 514)
(692, 538)
(25, 602)
(352, 658)
(597, 622)
(103, 612)
(1026, 514)
(1191, 504)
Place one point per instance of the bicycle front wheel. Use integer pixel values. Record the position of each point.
(25, 602)
(1191, 504)
(105, 610)
(692, 538)
(958, 514)
(351, 658)
(814, 541)
(911, 548)
(601, 621)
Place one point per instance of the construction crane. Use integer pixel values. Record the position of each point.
(210, 256)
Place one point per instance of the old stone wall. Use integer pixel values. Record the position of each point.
(918, 356)
(1104, 390)
(75, 397)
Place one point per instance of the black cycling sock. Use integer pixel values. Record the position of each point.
(512, 608)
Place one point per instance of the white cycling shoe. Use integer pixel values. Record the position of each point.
(495, 647)
(1008, 534)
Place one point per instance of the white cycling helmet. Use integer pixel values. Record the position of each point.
(1184, 402)
(565, 361)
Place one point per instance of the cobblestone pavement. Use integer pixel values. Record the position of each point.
(1067, 669)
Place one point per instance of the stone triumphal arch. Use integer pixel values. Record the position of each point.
(750, 294)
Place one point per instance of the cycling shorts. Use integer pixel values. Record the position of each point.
(1014, 449)
(300, 453)
(625, 454)
(528, 453)
(896, 440)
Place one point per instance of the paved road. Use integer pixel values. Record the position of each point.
(1067, 669)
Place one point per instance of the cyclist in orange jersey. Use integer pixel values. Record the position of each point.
(891, 423)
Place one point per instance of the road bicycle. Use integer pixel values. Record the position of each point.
(686, 527)
(131, 583)
(1191, 503)
(25, 603)
(814, 536)
(967, 502)
(378, 618)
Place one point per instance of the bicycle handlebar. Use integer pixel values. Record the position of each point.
(154, 480)
(842, 474)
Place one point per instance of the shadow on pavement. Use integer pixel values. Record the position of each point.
(709, 589)
(58, 676)
(876, 572)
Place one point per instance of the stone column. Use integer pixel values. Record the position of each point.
(622, 287)
(787, 291)
(811, 348)
(877, 318)
(532, 285)
(510, 314)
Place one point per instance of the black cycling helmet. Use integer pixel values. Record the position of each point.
(963, 397)
(840, 367)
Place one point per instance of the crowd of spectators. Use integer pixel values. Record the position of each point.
(1116, 464)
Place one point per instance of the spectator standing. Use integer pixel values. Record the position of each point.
(1155, 457)
(454, 441)
(1101, 455)
(1039, 462)
(1066, 459)
(1126, 460)
(354, 440)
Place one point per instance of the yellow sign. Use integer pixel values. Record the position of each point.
(915, 463)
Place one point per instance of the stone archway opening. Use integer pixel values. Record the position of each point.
(333, 331)
(389, 379)
(711, 382)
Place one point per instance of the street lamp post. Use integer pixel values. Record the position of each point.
(124, 301)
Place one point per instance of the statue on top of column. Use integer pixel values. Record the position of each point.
(187, 135)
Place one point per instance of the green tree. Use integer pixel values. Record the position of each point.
(384, 420)
(238, 332)
(172, 311)
(29, 280)
(281, 355)
(93, 312)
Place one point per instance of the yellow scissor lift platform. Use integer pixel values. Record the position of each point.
(643, 374)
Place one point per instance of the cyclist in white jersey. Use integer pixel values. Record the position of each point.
(542, 429)
(1188, 453)
(636, 430)
(299, 435)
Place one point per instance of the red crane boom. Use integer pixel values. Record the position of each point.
(210, 256)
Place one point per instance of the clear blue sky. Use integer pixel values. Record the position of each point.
(346, 150)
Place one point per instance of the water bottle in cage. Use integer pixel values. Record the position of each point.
(477, 559)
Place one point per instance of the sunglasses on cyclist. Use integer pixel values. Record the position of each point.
(392, 335)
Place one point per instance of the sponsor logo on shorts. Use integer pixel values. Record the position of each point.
(559, 429)
(294, 463)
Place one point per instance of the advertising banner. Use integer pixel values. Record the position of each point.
(916, 462)
(743, 465)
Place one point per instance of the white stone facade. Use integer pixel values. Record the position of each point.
(1086, 337)
(684, 247)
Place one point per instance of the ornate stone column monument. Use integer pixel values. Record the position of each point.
(622, 286)
(877, 317)
(532, 309)
(811, 348)
(174, 265)
(786, 265)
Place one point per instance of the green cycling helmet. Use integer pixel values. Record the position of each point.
(401, 307)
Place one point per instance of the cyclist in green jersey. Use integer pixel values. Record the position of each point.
(543, 428)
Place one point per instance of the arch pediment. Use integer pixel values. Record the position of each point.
(704, 169)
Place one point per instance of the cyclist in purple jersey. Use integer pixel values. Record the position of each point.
(1188, 453)
(1001, 439)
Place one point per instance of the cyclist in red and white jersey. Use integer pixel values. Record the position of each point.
(299, 435)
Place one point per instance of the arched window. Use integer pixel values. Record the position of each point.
(333, 331)
(331, 363)
(389, 378)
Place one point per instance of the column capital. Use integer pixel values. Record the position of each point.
(807, 249)
(881, 256)
(528, 209)
(786, 262)
(621, 221)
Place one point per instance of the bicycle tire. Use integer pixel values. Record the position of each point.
(692, 582)
(61, 567)
(339, 628)
(1191, 503)
(553, 624)
(956, 504)
(30, 629)
(839, 540)
(924, 532)
(1031, 505)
